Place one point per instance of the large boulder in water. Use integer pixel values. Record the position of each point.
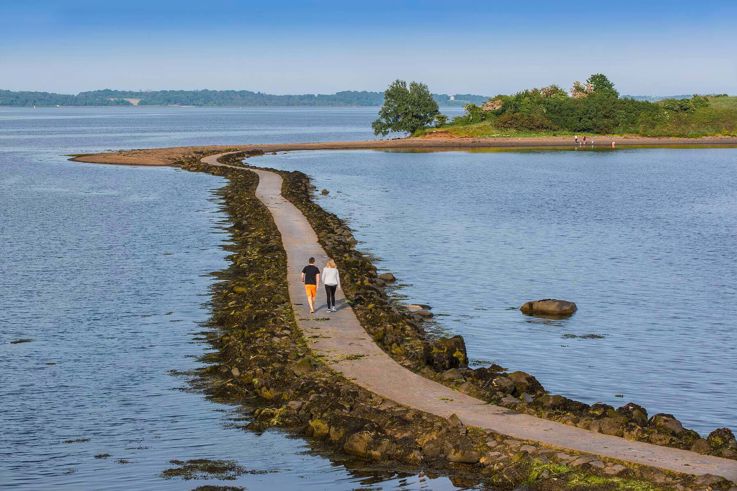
(549, 307)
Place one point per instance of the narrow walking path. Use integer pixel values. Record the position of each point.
(348, 348)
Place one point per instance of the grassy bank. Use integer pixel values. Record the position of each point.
(263, 361)
(548, 112)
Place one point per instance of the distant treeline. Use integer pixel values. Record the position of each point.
(109, 97)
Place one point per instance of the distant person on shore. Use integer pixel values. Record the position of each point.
(311, 278)
(331, 280)
(584, 140)
(575, 139)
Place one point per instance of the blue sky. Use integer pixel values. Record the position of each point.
(484, 47)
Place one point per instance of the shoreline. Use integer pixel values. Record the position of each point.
(406, 342)
(297, 188)
(170, 155)
(265, 358)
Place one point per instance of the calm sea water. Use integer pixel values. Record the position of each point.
(105, 271)
(644, 241)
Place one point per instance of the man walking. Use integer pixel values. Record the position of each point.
(311, 277)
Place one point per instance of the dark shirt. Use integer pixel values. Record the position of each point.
(310, 271)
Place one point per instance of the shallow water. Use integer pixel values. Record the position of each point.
(105, 272)
(643, 240)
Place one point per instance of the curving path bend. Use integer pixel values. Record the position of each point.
(349, 349)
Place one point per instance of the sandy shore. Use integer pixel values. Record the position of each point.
(167, 156)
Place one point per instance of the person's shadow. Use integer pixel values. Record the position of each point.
(340, 304)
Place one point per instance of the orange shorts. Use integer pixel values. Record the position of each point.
(311, 291)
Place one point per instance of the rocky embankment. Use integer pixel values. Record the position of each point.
(401, 334)
(262, 360)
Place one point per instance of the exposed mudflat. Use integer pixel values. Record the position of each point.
(167, 156)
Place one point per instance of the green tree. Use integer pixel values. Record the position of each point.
(406, 109)
(601, 85)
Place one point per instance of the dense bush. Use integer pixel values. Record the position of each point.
(525, 121)
(596, 107)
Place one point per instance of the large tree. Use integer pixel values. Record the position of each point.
(405, 109)
(601, 85)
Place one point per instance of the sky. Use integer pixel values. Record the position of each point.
(646, 47)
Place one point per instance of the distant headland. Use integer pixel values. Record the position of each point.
(213, 98)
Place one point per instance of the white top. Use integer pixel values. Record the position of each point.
(330, 277)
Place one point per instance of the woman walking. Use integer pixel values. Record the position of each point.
(331, 279)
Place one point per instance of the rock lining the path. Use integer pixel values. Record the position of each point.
(265, 378)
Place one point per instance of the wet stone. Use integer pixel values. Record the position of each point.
(528, 448)
(667, 422)
(463, 456)
(615, 470)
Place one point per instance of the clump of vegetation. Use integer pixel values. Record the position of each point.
(21, 341)
(76, 440)
(227, 470)
(406, 108)
(594, 107)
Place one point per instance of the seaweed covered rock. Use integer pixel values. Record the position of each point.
(549, 307)
(634, 413)
(667, 423)
(359, 443)
(610, 425)
(722, 442)
(463, 452)
(525, 383)
(560, 403)
(446, 353)
(387, 277)
(601, 410)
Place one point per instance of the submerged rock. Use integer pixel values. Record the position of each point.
(463, 453)
(204, 469)
(21, 341)
(549, 306)
(358, 443)
(318, 428)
